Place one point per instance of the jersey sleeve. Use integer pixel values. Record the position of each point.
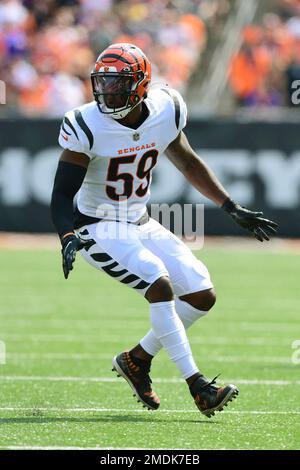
(179, 108)
(73, 135)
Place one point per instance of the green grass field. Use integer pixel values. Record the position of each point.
(57, 389)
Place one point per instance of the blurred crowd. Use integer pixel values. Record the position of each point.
(48, 48)
(262, 73)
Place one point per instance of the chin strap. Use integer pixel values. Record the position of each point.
(120, 114)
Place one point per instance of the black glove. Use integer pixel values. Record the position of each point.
(70, 245)
(261, 228)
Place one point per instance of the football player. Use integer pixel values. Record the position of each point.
(111, 146)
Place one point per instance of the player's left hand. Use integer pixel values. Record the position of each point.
(261, 228)
(70, 246)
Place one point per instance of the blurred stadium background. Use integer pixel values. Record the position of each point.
(237, 63)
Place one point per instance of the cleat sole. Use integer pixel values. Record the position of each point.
(231, 395)
(120, 373)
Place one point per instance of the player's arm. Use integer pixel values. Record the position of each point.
(181, 154)
(70, 173)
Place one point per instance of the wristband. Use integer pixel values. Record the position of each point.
(229, 205)
(67, 235)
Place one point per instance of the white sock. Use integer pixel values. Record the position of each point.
(169, 330)
(187, 314)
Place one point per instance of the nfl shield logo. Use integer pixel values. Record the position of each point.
(136, 136)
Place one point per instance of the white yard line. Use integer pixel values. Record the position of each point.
(104, 356)
(87, 324)
(138, 410)
(40, 378)
(80, 337)
(265, 326)
(135, 322)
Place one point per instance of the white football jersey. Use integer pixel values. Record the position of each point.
(118, 178)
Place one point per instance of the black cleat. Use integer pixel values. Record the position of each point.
(138, 379)
(210, 398)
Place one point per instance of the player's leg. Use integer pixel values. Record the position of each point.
(125, 257)
(120, 254)
(169, 330)
(196, 296)
(189, 308)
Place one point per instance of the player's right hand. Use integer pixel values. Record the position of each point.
(70, 245)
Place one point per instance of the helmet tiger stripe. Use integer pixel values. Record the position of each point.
(122, 60)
